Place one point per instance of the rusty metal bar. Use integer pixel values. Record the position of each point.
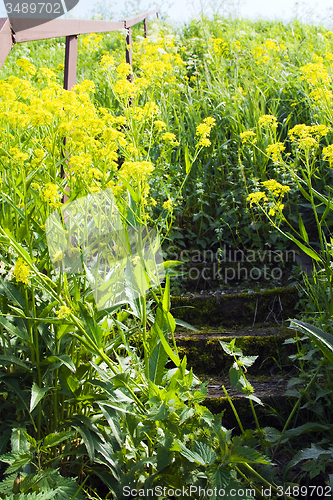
(66, 27)
(145, 27)
(70, 61)
(6, 40)
(129, 52)
(131, 21)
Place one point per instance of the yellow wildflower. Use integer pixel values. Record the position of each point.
(275, 150)
(248, 136)
(50, 194)
(275, 187)
(167, 205)
(21, 271)
(268, 121)
(170, 138)
(255, 198)
(63, 312)
(328, 154)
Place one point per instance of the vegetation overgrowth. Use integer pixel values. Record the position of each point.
(223, 137)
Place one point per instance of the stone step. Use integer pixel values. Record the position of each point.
(206, 356)
(273, 412)
(232, 310)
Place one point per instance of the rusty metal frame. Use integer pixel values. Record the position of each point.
(71, 29)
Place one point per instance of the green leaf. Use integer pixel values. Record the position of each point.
(303, 230)
(166, 295)
(174, 357)
(309, 251)
(21, 334)
(157, 361)
(188, 163)
(190, 455)
(205, 452)
(19, 462)
(55, 438)
(11, 360)
(312, 453)
(184, 324)
(271, 435)
(37, 393)
(321, 339)
(94, 331)
(234, 375)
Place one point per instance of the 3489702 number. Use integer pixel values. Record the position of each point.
(33, 8)
(305, 491)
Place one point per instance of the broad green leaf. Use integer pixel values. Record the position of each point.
(192, 456)
(184, 324)
(55, 438)
(303, 230)
(187, 160)
(19, 462)
(166, 346)
(157, 361)
(37, 393)
(14, 330)
(323, 340)
(205, 452)
(166, 295)
(309, 251)
(11, 360)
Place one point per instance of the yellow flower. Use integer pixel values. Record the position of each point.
(204, 129)
(26, 66)
(167, 205)
(50, 194)
(170, 138)
(268, 121)
(328, 154)
(275, 150)
(255, 198)
(159, 125)
(57, 257)
(21, 271)
(275, 187)
(248, 136)
(63, 312)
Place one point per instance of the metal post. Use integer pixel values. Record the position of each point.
(70, 61)
(129, 53)
(145, 26)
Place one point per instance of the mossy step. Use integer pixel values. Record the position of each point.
(273, 412)
(206, 356)
(207, 332)
(232, 310)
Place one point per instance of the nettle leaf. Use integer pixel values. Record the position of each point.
(190, 455)
(56, 438)
(247, 360)
(234, 376)
(308, 454)
(19, 462)
(244, 454)
(271, 435)
(37, 393)
(205, 451)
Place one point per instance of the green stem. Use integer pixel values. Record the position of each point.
(293, 412)
(233, 409)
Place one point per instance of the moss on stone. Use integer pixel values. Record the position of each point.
(237, 309)
(206, 356)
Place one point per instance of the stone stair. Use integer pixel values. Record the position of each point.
(259, 322)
